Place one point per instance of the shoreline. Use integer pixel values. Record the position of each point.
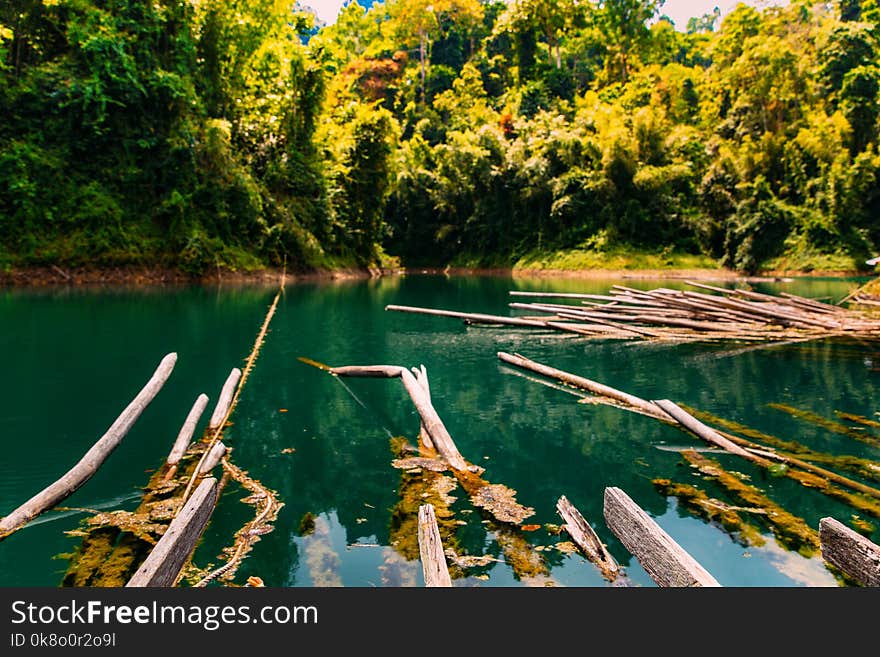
(145, 276)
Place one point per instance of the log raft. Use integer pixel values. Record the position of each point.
(711, 314)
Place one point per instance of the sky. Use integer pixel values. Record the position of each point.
(678, 10)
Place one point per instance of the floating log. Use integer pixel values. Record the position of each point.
(432, 423)
(212, 459)
(164, 563)
(663, 559)
(708, 434)
(92, 460)
(431, 549)
(855, 556)
(225, 399)
(186, 431)
(430, 420)
(369, 371)
(421, 375)
(474, 317)
(587, 540)
(581, 382)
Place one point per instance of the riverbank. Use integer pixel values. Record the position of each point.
(52, 275)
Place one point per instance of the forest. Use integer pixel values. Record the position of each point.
(203, 134)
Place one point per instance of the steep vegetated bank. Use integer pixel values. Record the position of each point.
(237, 135)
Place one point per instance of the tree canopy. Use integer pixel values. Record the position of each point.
(237, 134)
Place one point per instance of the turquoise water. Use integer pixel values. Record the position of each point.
(74, 358)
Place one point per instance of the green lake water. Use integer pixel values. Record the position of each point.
(74, 358)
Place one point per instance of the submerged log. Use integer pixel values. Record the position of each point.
(431, 549)
(225, 399)
(850, 552)
(587, 540)
(173, 550)
(187, 430)
(92, 460)
(663, 559)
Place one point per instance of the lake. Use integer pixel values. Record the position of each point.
(73, 359)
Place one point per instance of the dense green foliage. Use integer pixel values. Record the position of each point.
(206, 134)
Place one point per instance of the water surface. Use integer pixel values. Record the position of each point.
(74, 358)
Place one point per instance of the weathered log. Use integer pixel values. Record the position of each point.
(369, 371)
(708, 434)
(474, 317)
(663, 559)
(581, 382)
(586, 539)
(186, 431)
(92, 460)
(164, 563)
(431, 549)
(212, 459)
(855, 556)
(225, 399)
(432, 423)
(421, 375)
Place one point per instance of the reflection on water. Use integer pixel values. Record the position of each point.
(325, 446)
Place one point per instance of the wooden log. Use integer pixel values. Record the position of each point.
(586, 539)
(761, 309)
(581, 382)
(818, 306)
(663, 559)
(165, 561)
(708, 434)
(474, 317)
(421, 375)
(855, 556)
(212, 459)
(225, 399)
(186, 431)
(92, 460)
(431, 549)
(432, 423)
(369, 371)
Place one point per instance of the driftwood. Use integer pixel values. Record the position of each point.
(662, 558)
(225, 399)
(92, 460)
(186, 431)
(708, 434)
(430, 420)
(586, 539)
(579, 382)
(473, 317)
(855, 556)
(213, 458)
(164, 563)
(431, 549)
(421, 374)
